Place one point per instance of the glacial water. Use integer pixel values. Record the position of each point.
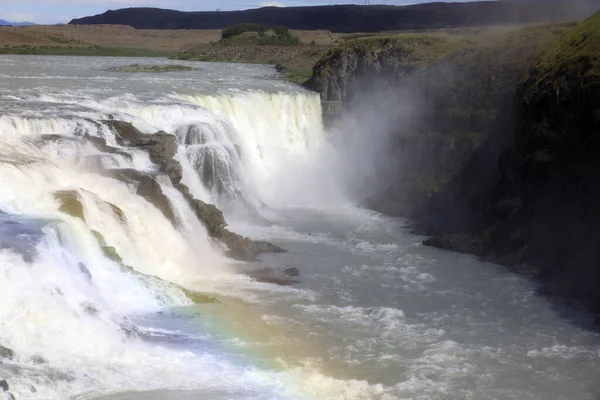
(374, 315)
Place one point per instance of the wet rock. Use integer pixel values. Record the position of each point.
(85, 271)
(6, 353)
(131, 331)
(31, 388)
(7, 396)
(462, 243)
(70, 203)
(101, 145)
(280, 68)
(270, 275)
(37, 359)
(4, 385)
(291, 272)
(198, 298)
(246, 249)
(149, 189)
(91, 310)
(161, 147)
(240, 247)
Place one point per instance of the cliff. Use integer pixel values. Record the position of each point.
(451, 91)
(543, 210)
(352, 18)
(501, 158)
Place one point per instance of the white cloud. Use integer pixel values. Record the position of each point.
(271, 4)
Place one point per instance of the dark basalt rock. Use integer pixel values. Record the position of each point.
(463, 243)
(291, 272)
(38, 360)
(148, 188)
(240, 247)
(161, 147)
(538, 213)
(4, 385)
(90, 310)
(271, 275)
(85, 271)
(6, 353)
(101, 145)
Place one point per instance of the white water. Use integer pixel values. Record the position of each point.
(63, 299)
(376, 315)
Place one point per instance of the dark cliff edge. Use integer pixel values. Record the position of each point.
(502, 157)
(352, 18)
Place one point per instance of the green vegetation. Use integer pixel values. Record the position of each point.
(358, 35)
(60, 39)
(70, 203)
(580, 46)
(239, 29)
(82, 51)
(151, 68)
(258, 34)
(198, 298)
(300, 68)
(520, 45)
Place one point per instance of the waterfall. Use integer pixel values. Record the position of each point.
(272, 145)
(82, 250)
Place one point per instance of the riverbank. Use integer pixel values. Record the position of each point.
(197, 45)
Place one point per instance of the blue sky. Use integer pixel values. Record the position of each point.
(56, 11)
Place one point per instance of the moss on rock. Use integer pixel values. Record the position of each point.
(70, 203)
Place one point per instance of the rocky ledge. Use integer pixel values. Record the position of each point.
(162, 148)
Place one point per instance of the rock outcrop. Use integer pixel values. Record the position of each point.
(162, 148)
(271, 275)
(452, 100)
(6, 353)
(542, 214)
(240, 247)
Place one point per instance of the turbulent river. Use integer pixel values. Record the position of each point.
(375, 315)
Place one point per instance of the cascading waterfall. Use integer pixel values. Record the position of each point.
(81, 251)
(274, 142)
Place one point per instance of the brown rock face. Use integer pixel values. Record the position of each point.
(240, 247)
(162, 147)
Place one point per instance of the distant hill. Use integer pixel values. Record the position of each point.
(352, 18)
(8, 23)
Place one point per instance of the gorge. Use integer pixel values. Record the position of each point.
(491, 141)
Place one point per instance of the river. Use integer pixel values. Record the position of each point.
(374, 314)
